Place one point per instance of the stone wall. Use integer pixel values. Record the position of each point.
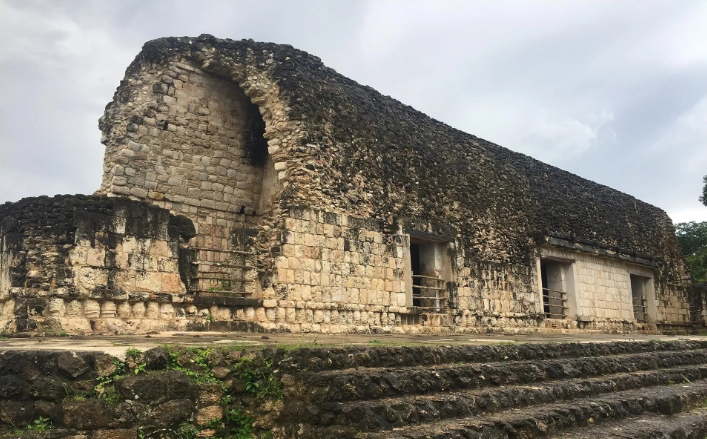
(90, 263)
(195, 142)
(192, 142)
(340, 273)
(165, 392)
(337, 273)
(424, 391)
(185, 122)
(307, 193)
(497, 297)
(189, 139)
(601, 292)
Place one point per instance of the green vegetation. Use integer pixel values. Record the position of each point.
(133, 353)
(238, 425)
(692, 239)
(258, 380)
(505, 343)
(221, 285)
(72, 394)
(39, 425)
(255, 372)
(257, 377)
(105, 388)
(703, 197)
(194, 362)
(187, 431)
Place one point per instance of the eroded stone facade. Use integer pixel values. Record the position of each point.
(319, 205)
(84, 263)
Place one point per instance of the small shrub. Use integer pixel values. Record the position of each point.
(187, 431)
(105, 388)
(238, 425)
(198, 368)
(39, 425)
(258, 381)
(133, 353)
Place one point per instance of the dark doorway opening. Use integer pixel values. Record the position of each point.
(638, 296)
(416, 271)
(556, 281)
(546, 298)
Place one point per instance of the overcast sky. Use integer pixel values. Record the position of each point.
(615, 92)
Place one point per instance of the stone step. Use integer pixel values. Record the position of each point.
(375, 383)
(543, 420)
(388, 413)
(688, 425)
(354, 357)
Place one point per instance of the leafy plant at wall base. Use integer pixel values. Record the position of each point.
(140, 368)
(188, 431)
(39, 425)
(238, 425)
(105, 388)
(258, 380)
(133, 353)
(198, 369)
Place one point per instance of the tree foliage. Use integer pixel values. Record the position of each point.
(703, 197)
(692, 239)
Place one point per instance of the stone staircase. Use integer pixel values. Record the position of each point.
(593, 390)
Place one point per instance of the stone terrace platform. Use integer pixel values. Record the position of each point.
(353, 387)
(117, 344)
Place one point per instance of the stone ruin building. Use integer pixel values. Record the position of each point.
(246, 186)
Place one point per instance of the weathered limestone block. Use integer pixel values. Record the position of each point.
(91, 309)
(74, 308)
(166, 311)
(139, 310)
(95, 257)
(88, 279)
(171, 283)
(148, 281)
(55, 307)
(108, 309)
(152, 311)
(206, 414)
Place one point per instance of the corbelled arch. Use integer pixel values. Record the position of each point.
(204, 138)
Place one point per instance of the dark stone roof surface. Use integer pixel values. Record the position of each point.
(387, 160)
(60, 215)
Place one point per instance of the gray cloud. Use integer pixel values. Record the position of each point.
(612, 91)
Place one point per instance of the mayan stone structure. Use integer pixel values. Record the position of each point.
(247, 186)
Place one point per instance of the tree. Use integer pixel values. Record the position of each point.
(692, 239)
(703, 197)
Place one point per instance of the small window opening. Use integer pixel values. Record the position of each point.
(256, 145)
(555, 283)
(428, 286)
(639, 285)
(256, 153)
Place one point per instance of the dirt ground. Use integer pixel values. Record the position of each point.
(117, 344)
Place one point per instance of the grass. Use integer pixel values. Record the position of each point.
(39, 425)
(72, 394)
